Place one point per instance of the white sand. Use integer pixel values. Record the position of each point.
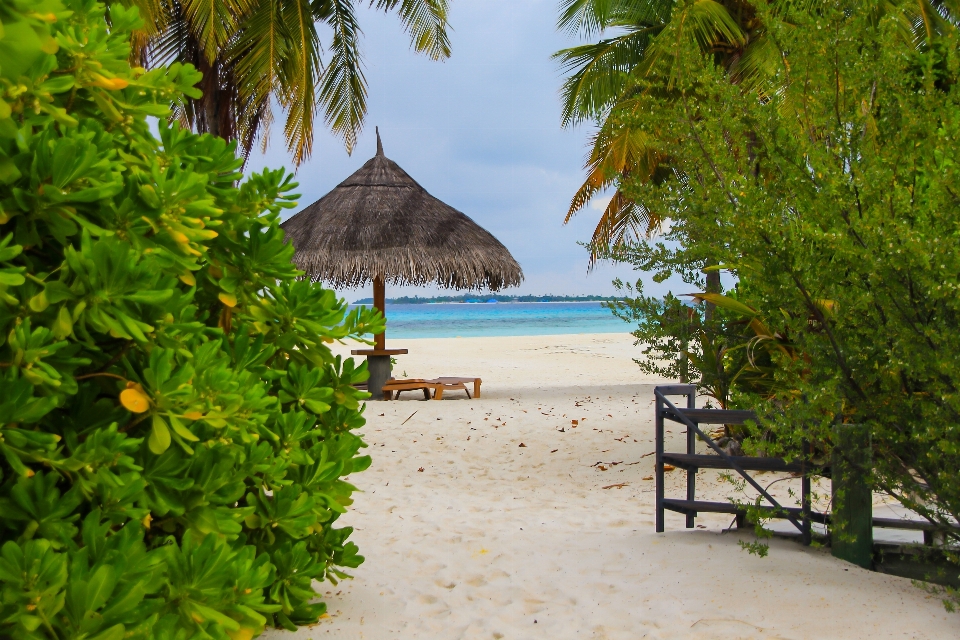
(494, 540)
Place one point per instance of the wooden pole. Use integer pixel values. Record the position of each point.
(379, 301)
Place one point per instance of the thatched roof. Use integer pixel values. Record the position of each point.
(379, 221)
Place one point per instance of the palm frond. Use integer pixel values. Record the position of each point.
(598, 73)
(425, 21)
(587, 18)
(299, 74)
(619, 153)
(703, 23)
(623, 221)
(758, 62)
(260, 51)
(213, 22)
(343, 88)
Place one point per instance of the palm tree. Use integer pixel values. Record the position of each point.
(605, 83)
(256, 52)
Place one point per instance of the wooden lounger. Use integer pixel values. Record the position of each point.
(438, 385)
(454, 383)
(394, 386)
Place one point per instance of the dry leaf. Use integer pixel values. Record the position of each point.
(420, 470)
(522, 445)
(648, 478)
(616, 486)
(668, 467)
(555, 450)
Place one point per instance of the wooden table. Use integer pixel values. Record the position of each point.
(378, 363)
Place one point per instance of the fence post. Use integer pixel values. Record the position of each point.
(851, 529)
(659, 463)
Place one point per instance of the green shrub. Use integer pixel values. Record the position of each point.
(830, 194)
(174, 430)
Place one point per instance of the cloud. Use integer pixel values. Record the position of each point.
(600, 204)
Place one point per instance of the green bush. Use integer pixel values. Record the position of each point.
(174, 430)
(830, 195)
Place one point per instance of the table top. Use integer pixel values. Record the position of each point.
(379, 352)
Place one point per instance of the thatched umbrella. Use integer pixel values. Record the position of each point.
(380, 225)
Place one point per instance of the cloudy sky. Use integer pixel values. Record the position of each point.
(481, 132)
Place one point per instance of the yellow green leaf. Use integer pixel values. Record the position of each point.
(63, 325)
(39, 302)
(159, 439)
(181, 430)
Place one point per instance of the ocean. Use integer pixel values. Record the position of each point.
(451, 320)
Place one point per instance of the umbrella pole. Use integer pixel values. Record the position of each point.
(380, 302)
(378, 360)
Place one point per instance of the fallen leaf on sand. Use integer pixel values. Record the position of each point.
(668, 467)
(648, 478)
(647, 454)
(602, 468)
(522, 445)
(555, 450)
(574, 422)
(420, 470)
(616, 486)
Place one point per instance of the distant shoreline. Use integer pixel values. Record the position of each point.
(488, 299)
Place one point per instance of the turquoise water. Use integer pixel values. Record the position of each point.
(499, 319)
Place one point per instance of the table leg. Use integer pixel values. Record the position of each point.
(476, 388)
(379, 367)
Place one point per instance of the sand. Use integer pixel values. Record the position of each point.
(495, 518)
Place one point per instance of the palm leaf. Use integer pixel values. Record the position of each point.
(299, 73)
(599, 73)
(425, 21)
(587, 18)
(343, 88)
(703, 24)
(213, 22)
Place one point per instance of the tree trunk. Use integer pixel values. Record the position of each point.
(208, 107)
(713, 286)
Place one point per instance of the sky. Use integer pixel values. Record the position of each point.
(481, 132)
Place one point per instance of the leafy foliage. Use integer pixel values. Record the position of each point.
(174, 431)
(609, 81)
(833, 203)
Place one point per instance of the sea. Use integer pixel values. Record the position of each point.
(468, 320)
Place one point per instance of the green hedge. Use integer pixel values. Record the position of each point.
(174, 430)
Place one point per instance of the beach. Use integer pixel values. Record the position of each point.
(500, 517)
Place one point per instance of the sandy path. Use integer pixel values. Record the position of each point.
(496, 540)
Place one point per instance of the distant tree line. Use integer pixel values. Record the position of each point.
(487, 298)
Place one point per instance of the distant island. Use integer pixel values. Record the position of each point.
(476, 298)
